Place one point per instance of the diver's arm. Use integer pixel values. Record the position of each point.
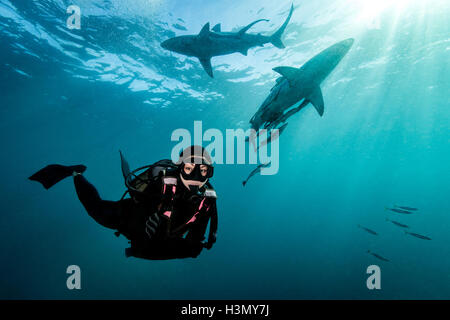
(212, 227)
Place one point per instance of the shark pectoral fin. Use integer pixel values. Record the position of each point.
(316, 98)
(217, 28)
(244, 52)
(289, 73)
(206, 64)
(205, 30)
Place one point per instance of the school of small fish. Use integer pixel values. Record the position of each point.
(401, 210)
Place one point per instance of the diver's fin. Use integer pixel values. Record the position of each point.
(52, 174)
(275, 39)
(290, 73)
(206, 64)
(205, 30)
(246, 28)
(125, 166)
(316, 99)
(217, 28)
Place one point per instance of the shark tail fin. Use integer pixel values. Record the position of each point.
(275, 39)
(246, 28)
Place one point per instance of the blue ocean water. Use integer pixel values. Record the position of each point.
(78, 96)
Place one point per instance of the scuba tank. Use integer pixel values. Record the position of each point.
(138, 180)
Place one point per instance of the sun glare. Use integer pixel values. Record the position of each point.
(372, 9)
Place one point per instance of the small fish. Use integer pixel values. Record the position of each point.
(377, 256)
(407, 208)
(417, 235)
(397, 223)
(398, 210)
(179, 27)
(255, 171)
(367, 230)
(269, 139)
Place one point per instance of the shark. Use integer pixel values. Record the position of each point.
(297, 85)
(213, 42)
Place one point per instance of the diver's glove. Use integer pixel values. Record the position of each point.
(151, 225)
(211, 240)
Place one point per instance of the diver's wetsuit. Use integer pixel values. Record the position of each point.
(129, 218)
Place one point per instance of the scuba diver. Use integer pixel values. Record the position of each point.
(168, 209)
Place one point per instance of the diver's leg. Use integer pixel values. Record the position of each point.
(106, 213)
(52, 174)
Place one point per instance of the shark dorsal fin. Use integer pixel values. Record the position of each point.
(217, 28)
(205, 30)
(206, 64)
(245, 29)
(289, 73)
(316, 98)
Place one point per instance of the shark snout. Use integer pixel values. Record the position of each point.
(172, 44)
(177, 44)
(348, 43)
(165, 44)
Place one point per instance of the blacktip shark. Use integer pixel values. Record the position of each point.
(211, 43)
(298, 85)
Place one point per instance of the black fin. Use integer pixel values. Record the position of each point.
(125, 166)
(316, 98)
(206, 64)
(275, 39)
(52, 174)
(205, 30)
(246, 28)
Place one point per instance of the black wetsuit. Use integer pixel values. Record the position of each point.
(129, 218)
